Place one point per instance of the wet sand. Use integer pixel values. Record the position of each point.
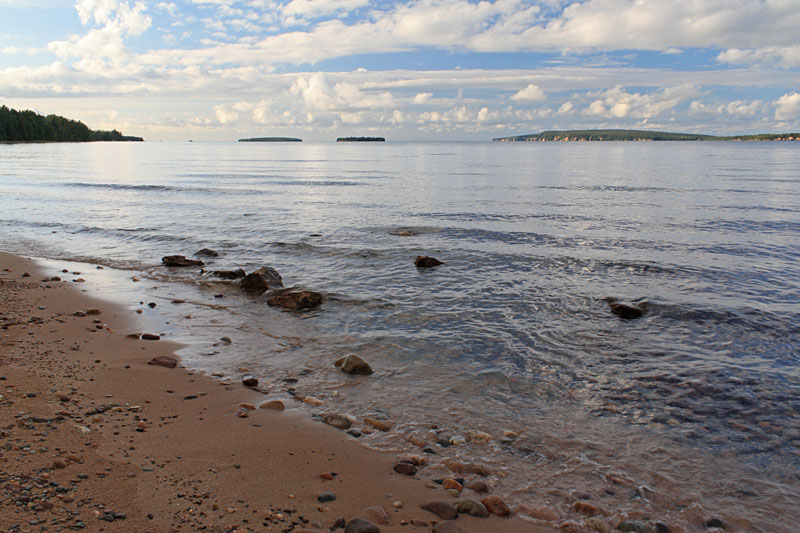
(94, 438)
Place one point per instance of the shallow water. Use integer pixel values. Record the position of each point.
(698, 402)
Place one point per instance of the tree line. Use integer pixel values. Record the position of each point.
(29, 126)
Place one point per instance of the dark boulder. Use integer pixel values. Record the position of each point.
(625, 311)
(295, 300)
(359, 525)
(164, 360)
(353, 364)
(423, 261)
(180, 261)
(444, 510)
(208, 252)
(262, 280)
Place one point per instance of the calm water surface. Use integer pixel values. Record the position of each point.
(690, 413)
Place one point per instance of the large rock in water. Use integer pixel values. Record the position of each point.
(295, 300)
(423, 261)
(180, 261)
(207, 252)
(353, 364)
(625, 311)
(262, 280)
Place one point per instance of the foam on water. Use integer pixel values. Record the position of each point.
(690, 412)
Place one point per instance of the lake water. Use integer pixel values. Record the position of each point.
(689, 413)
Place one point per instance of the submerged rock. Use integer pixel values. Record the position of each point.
(208, 252)
(423, 261)
(229, 274)
(262, 280)
(295, 300)
(626, 311)
(353, 364)
(180, 261)
(337, 421)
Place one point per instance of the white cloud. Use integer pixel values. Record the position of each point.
(529, 94)
(787, 106)
(744, 109)
(317, 8)
(787, 57)
(618, 103)
(421, 98)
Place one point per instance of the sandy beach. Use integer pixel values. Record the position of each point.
(94, 437)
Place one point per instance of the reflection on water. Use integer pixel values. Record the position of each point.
(689, 413)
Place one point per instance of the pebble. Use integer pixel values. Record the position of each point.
(444, 510)
(79, 313)
(360, 525)
(378, 424)
(311, 400)
(539, 511)
(715, 522)
(450, 483)
(59, 463)
(597, 524)
(407, 469)
(93, 312)
(226, 340)
(495, 505)
(458, 440)
(163, 360)
(323, 497)
(632, 526)
(378, 515)
(354, 365)
(250, 381)
(472, 508)
(150, 337)
(478, 486)
(446, 527)
(275, 405)
(338, 421)
(248, 406)
(587, 508)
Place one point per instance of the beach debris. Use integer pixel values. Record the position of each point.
(496, 505)
(180, 261)
(444, 510)
(337, 421)
(264, 279)
(360, 525)
(150, 337)
(295, 300)
(472, 508)
(208, 252)
(407, 469)
(229, 274)
(250, 381)
(353, 364)
(164, 360)
(423, 261)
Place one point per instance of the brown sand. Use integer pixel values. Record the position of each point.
(88, 428)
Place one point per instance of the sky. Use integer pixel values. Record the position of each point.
(404, 70)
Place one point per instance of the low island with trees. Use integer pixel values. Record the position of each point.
(271, 140)
(640, 135)
(360, 139)
(29, 126)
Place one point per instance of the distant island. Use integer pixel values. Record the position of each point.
(28, 126)
(360, 139)
(271, 140)
(640, 135)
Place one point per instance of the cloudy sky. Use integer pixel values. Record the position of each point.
(404, 69)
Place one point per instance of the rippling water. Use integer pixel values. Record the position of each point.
(689, 413)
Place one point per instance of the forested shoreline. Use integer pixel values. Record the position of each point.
(29, 126)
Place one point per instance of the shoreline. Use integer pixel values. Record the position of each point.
(171, 449)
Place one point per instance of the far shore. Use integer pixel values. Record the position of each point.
(98, 438)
